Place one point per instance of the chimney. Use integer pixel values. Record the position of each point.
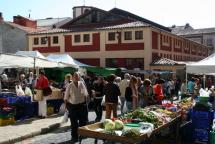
(1, 17)
(24, 21)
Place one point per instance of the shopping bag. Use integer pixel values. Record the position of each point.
(103, 101)
(125, 108)
(65, 118)
(19, 91)
(62, 109)
(119, 101)
(39, 95)
(28, 92)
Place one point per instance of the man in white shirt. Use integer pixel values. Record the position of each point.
(122, 86)
(75, 99)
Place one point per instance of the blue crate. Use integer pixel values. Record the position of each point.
(202, 123)
(12, 100)
(200, 135)
(202, 115)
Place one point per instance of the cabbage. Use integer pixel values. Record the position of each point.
(110, 126)
(106, 121)
(118, 124)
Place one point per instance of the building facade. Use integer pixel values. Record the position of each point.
(204, 36)
(13, 34)
(132, 45)
(116, 39)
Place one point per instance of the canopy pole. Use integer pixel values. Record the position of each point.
(34, 71)
(204, 80)
(186, 79)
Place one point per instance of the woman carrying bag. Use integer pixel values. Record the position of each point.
(43, 90)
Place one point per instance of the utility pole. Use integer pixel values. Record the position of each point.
(115, 3)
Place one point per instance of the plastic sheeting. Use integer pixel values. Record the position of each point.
(65, 58)
(205, 66)
(17, 61)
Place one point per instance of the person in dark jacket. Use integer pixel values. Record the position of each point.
(98, 95)
(111, 92)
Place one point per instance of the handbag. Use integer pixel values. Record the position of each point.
(38, 95)
(47, 91)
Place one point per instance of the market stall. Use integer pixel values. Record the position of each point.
(136, 126)
(21, 105)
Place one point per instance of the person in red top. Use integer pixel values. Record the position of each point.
(41, 84)
(42, 81)
(158, 90)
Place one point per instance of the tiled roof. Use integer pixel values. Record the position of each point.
(26, 29)
(126, 25)
(50, 31)
(165, 61)
(137, 18)
(49, 22)
(179, 30)
(197, 31)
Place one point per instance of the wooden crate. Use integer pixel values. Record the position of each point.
(90, 131)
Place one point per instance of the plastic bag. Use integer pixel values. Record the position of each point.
(62, 109)
(19, 90)
(103, 101)
(119, 101)
(28, 92)
(65, 118)
(125, 108)
(146, 128)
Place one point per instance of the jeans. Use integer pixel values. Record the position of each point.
(77, 115)
(129, 106)
(122, 104)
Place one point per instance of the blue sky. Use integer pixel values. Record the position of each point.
(198, 13)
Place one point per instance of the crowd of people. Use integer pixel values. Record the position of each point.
(116, 93)
(112, 93)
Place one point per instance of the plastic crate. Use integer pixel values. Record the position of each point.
(200, 135)
(202, 115)
(203, 99)
(212, 137)
(3, 102)
(8, 121)
(202, 123)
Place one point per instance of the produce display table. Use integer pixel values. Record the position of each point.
(90, 131)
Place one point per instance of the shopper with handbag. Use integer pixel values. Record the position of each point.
(42, 85)
(75, 98)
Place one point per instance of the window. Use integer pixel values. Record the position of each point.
(77, 38)
(111, 36)
(209, 42)
(138, 35)
(55, 40)
(86, 38)
(36, 41)
(43, 40)
(128, 35)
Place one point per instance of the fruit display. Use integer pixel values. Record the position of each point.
(185, 104)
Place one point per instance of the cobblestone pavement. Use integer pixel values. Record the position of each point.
(60, 136)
